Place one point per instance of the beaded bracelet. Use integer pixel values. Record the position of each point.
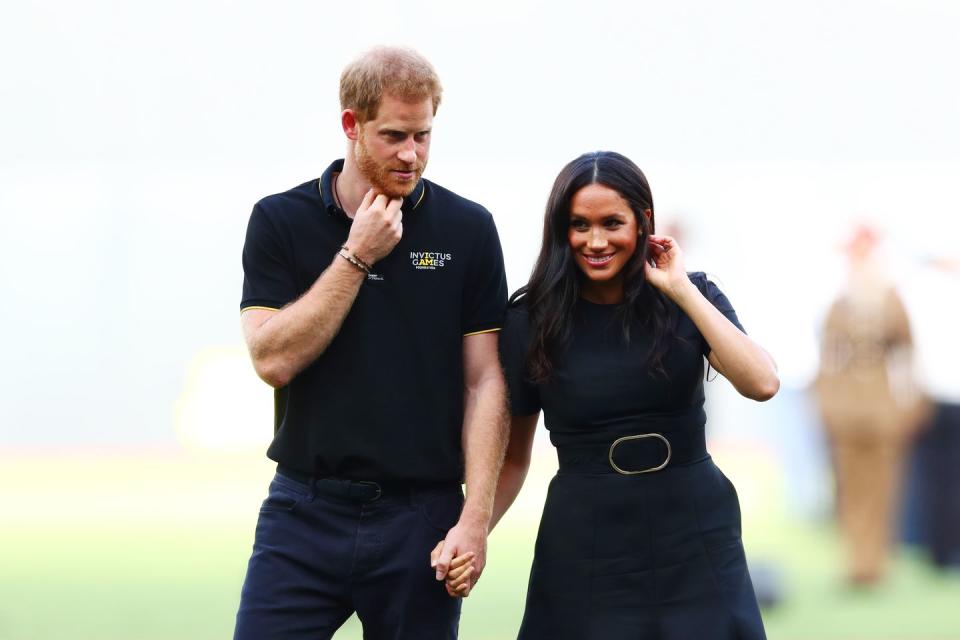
(352, 260)
(363, 264)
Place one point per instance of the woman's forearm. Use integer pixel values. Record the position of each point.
(743, 362)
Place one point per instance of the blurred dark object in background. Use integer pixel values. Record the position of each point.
(932, 492)
(768, 583)
(931, 503)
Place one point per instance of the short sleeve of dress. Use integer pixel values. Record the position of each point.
(485, 293)
(268, 280)
(514, 342)
(717, 298)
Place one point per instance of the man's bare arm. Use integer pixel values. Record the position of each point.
(284, 342)
(484, 423)
(515, 464)
(484, 442)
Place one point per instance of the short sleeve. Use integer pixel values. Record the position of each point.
(268, 279)
(514, 342)
(485, 291)
(717, 298)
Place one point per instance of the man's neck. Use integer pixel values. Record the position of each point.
(349, 187)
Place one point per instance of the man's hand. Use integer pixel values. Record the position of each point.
(377, 227)
(462, 553)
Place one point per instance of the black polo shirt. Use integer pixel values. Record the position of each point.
(385, 399)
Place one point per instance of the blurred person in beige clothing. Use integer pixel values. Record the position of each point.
(870, 404)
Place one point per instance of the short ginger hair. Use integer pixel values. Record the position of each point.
(401, 72)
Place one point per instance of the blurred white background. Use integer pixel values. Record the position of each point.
(135, 139)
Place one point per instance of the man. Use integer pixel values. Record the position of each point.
(371, 302)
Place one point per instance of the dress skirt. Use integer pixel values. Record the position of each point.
(655, 556)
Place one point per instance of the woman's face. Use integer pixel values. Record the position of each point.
(603, 234)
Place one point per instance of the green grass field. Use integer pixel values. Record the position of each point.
(140, 546)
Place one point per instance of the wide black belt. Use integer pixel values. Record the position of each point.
(363, 490)
(633, 453)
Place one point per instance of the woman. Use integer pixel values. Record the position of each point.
(640, 534)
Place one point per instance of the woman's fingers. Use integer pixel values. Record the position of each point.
(458, 565)
(661, 244)
(459, 561)
(462, 575)
(454, 575)
(462, 592)
(462, 580)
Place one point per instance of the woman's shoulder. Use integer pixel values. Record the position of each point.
(704, 282)
(515, 335)
(698, 278)
(518, 314)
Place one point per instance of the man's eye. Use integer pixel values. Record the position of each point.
(422, 136)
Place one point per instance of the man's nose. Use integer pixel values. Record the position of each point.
(408, 152)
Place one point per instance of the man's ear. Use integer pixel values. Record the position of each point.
(350, 124)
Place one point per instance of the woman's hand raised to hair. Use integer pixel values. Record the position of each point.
(668, 272)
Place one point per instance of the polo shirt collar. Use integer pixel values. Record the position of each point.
(410, 203)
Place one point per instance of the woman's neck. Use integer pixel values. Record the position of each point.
(609, 292)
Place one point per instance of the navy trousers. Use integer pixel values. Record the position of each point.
(317, 559)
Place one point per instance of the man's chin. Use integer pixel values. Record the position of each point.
(394, 189)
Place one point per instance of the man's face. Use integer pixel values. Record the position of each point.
(392, 149)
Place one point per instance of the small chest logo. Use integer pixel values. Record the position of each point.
(429, 259)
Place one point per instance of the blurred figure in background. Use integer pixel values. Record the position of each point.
(869, 403)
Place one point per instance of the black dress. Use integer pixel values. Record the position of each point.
(621, 554)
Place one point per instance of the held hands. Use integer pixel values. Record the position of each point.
(459, 558)
(667, 273)
(458, 580)
(377, 227)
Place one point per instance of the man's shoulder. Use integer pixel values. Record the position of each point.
(303, 197)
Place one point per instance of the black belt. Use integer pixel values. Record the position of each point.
(634, 453)
(362, 490)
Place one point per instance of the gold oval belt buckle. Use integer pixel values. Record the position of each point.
(638, 437)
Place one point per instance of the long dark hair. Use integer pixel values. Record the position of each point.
(554, 286)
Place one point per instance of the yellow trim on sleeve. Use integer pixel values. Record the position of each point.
(256, 307)
(476, 333)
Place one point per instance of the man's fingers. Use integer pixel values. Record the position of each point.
(380, 201)
(394, 205)
(435, 554)
(367, 199)
(443, 561)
